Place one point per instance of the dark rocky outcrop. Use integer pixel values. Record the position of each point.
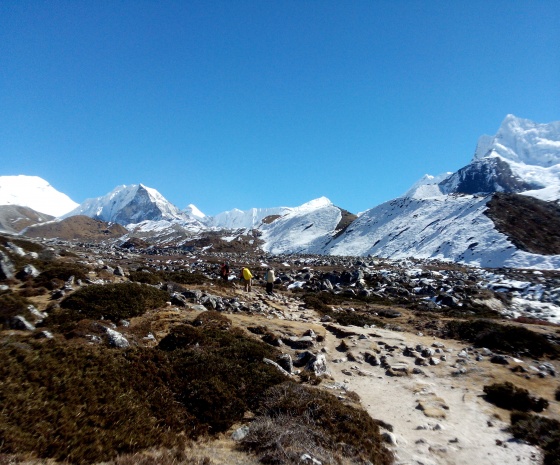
(531, 224)
(485, 176)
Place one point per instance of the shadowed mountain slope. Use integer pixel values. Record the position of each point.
(532, 225)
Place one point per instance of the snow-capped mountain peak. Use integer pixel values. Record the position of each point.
(523, 141)
(35, 193)
(193, 212)
(129, 204)
(427, 187)
(315, 203)
(522, 156)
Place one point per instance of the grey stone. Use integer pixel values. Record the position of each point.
(318, 365)
(20, 323)
(7, 269)
(286, 362)
(499, 359)
(28, 271)
(118, 271)
(44, 335)
(389, 438)
(240, 433)
(116, 339)
(276, 365)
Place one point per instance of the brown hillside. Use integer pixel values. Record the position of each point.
(531, 224)
(77, 227)
(14, 218)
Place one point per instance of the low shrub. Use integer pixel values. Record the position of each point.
(11, 305)
(181, 337)
(28, 246)
(29, 291)
(84, 404)
(113, 302)
(145, 277)
(508, 396)
(293, 420)
(179, 277)
(55, 273)
(356, 319)
(515, 340)
(213, 319)
(539, 431)
(318, 302)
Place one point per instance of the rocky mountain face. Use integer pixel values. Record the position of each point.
(522, 156)
(492, 174)
(462, 217)
(130, 205)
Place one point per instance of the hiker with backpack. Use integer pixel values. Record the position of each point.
(246, 278)
(224, 271)
(269, 278)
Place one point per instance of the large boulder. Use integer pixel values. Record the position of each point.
(7, 268)
(28, 271)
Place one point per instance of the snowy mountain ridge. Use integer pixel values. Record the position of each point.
(523, 141)
(440, 217)
(131, 204)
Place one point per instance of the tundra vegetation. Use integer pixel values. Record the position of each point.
(69, 396)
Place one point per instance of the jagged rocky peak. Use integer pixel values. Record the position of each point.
(523, 141)
(491, 174)
(129, 204)
(522, 156)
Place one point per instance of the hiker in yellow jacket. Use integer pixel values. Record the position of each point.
(247, 277)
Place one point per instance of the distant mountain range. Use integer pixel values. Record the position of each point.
(443, 217)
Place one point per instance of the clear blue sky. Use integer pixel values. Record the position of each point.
(240, 104)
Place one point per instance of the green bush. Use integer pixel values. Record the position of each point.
(28, 246)
(84, 405)
(294, 419)
(179, 277)
(11, 305)
(510, 339)
(508, 396)
(539, 431)
(89, 404)
(59, 272)
(145, 277)
(113, 302)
